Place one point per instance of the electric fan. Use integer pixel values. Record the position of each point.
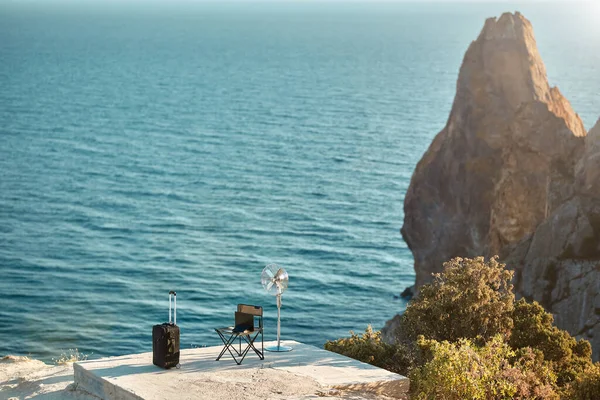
(275, 280)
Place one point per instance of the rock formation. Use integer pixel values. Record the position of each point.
(559, 264)
(513, 173)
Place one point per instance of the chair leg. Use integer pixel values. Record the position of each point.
(232, 355)
(250, 341)
(229, 346)
(227, 342)
(225, 345)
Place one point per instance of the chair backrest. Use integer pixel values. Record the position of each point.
(248, 309)
(257, 311)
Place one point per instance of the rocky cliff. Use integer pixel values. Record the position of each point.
(559, 264)
(513, 173)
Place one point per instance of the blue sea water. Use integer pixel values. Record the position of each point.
(153, 146)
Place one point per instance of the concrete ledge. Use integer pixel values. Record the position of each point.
(305, 370)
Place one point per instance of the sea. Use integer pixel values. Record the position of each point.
(149, 146)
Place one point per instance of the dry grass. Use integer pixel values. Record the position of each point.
(71, 356)
(14, 359)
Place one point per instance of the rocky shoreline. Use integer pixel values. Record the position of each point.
(24, 378)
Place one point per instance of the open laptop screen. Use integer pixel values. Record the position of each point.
(243, 322)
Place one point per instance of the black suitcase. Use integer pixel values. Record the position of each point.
(165, 340)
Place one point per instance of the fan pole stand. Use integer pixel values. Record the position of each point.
(279, 347)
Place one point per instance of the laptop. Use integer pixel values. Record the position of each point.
(243, 322)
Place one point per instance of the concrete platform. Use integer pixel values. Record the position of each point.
(201, 377)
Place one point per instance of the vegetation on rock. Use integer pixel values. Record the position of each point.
(370, 348)
(465, 336)
(463, 370)
(533, 328)
(471, 299)
(586, 385)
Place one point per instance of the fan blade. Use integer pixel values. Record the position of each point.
(267, 275)
(274, 277)
(268, 272)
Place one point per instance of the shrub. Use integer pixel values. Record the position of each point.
(533, 327)
(470, 299)
(465, 337)
(370, 348)
(463, 370)
(586, 385)
(535, 378)
(73, 355)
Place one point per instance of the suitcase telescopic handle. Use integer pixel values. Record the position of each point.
(175, 301)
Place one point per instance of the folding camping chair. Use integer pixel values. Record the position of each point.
(244, 329)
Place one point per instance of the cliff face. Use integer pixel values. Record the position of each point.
(504, 160)
(512, 166)
(588, 171)
(559, 264)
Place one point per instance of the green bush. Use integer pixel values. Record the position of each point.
(533, 327)
(463, 370)
(370, 348)
(586, 385)
(465, 337)
(470, 299)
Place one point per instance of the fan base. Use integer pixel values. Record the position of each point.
(278, 348)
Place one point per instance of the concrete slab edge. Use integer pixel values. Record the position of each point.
(100, 387)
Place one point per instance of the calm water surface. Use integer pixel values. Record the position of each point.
(184, 147)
